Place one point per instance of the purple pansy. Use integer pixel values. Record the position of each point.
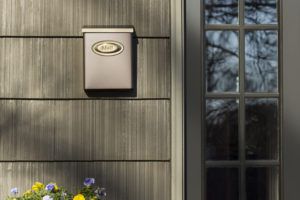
(89, 181)
(14, 191)
(50, 187)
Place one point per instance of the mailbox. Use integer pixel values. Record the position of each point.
(108, 58)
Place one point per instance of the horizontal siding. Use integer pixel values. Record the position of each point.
(51, 130)
(53, 68)
(123, 180)
(67, 17)
(84, 130)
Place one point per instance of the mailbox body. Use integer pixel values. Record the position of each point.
(108, 59)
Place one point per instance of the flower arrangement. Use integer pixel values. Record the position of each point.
(52, 192)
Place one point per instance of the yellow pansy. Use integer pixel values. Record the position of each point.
(37, 186)
(79, 197)
(27, 192)
(55, 187)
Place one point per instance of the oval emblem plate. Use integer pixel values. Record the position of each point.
(107, 48)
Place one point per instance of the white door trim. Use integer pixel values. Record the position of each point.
(177, 99)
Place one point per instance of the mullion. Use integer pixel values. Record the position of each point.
(262, 163)
(280, 85)
(242, 101)
(223, 163)
(237, 163)
(246, 95)
(203, 116)
(238, 27)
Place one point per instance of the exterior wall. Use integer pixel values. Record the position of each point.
(50, 130)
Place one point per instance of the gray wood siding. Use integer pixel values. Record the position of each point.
(123, 180)
(53, 68)
(51, 130)
(84, 130)
(66, 17)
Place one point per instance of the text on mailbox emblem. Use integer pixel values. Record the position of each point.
(107, 48)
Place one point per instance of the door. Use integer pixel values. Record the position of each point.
(242, 95)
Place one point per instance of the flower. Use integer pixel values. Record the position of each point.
(89, 181)
(47, 197)
(14, 191)
(79, 197)
(51, 187)
(37, 186)
(51, 191)
(28, 192)
(100, 192)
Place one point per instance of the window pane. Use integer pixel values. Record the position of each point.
(262, 129)
(262, 183)
(260, 12)
(261, 61)
(222, 184)
(221, 11)
(221, 129)
(222, 62)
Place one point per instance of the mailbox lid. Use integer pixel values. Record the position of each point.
(108, 29)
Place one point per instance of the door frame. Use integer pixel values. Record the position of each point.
(193, 100)
(291, 98)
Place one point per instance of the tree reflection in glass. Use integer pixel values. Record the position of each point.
(221, 11)
(221, 129)
(260, 12)
(222, 61)
(262, 129)
(261, 57)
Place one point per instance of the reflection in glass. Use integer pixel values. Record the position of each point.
(222, 184)
(261, 61)
(262, 183)
(262, 129)
(221, 11)
(260, 12)
(222, 61)
(221, 129)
